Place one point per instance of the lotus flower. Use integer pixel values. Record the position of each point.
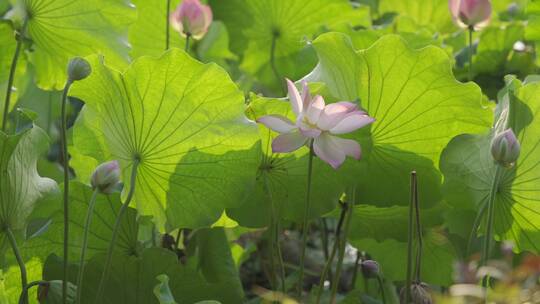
(470, 13)
(317, 123)
(191, 18)
(106, 176)
(505, 148)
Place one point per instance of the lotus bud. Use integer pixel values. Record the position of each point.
(470, 13)
(106, 176)
(191, 18)
(505, 148)
(370, 268)
(51, 292)
(78, 69)
(419, 294)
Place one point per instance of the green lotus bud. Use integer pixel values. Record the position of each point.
(370, 268)
(106, 176)
(78, 69)
(419, 294)
(51, 292)
(505, 148)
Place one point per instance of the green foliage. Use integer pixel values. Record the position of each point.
(188, 138)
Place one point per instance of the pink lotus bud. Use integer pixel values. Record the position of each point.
(106, 177)
(191, 18)
(470, 13)
(505, 148)
(370, 268)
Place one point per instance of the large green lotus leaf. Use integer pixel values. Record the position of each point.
(469, 171)
(20, 184)
(285, 176)
(532, 31)
(429, 13)
(418, 106)
(10, 281)
(62, 29)
(133, 279)
(215, 45)
(253, 25)
(438, 256)
(184, 121)
(106, 209)
(148, 34)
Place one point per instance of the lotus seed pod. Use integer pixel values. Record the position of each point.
(106, 176)
(78, 69)
(505, 148)
(51, 292)
(370, 268)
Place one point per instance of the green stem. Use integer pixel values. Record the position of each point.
(343, 243)
(168, 27)
(356, 266)
(12, 71)
(65, 163)
(280, 258)
(273, 61)
(20, 261)
(324, 235)
(381, 288)
(123, 209)
(418, 235)
(491, 214)
(305, 220)
(87, 225)
(471, 30)
(275, 248)
(188, 36)
(27, 288)
(410, 240)
(328, 264)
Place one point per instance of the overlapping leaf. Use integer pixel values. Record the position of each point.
(61, 29)
(418, 106)
(469, 171)
(20, 184)
(184, 122)
(430, 13)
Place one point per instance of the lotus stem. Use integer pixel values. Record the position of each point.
(65, 164)
(12, 70)
(167, 25)
(471, 31)
(343, 243)
(87, 225)
(116, 228)
(489, 222)
(328, 264)
(188, 36)
(27, 288)
(410, 239)
(20, 261)
(305, 221)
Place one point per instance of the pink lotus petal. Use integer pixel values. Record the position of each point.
(294, 98)
(306, 96)
(453, 6)
(277, 123)
(348, 146)
(327, 150)
(314, 109)
(352, 121)
(288, 142)
(309, 132)
(333, 113)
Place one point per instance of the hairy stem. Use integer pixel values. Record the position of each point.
(343, 243)
(65, 164)
(410, 239)
(471, 31)
(167, 25)
(20, 261)
(418, 234)
(123, 208)
(12, 71)
(305, 221)
(335, 246)
(87, 225)
(188, 36)
(490, 215)
(27, 288)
